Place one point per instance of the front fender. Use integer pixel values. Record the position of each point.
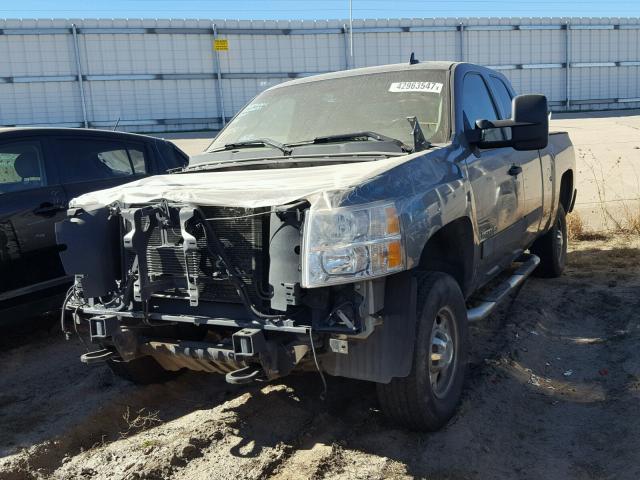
(429, 192)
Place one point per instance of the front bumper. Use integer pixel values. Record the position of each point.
(241, 350)
(285, 325)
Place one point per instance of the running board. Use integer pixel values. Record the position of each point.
(488, 302)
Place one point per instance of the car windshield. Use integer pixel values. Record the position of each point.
(380, 103)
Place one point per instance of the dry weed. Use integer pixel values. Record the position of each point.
(143, 420)
(620, 216)
(631, 219)
(577, 230)
(575, 226)
(625, 220)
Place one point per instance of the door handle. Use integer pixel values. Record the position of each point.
(46, 209)
(515, 170)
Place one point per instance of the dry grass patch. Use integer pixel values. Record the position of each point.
(575, 226)
(631, 218)
(629, 226)
(577, 230)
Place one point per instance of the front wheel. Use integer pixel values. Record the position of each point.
(428, 397)
(552, 248)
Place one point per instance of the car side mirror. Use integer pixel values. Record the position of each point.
(527, 129)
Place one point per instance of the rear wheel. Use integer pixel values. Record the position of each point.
(552, 248)
(142, 371)
(428, 397)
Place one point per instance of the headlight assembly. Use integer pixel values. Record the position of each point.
(347, 244)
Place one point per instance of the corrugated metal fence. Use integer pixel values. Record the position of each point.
(159, 75)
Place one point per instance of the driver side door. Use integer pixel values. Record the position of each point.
(536, 174)
(496, 181)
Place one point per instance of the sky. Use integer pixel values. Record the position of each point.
(314, 9)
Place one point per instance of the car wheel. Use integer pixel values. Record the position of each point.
(141, 371)
(427, 398)
(552, 248)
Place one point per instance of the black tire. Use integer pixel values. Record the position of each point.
(552, 248)
(416, 402)
(141, 371)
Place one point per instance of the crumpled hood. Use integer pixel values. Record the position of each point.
(243, 188)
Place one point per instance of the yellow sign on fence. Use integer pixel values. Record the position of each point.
(221, 44)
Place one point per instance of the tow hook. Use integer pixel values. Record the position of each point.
(269, 359)
(249, 343)
(97, 356)
(245, 375)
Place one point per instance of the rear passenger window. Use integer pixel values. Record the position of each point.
(21, 166)
(137, 160)
(117, 160)
(477, 105)
(502, 96)
(84, 159)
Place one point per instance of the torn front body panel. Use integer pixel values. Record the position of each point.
(285, 243)
(229, 259)
(428, 189)
(387, 352)
(245, 188)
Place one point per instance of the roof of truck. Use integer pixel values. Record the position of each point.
(395, 67)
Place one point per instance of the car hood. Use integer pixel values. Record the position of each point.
(243, 188)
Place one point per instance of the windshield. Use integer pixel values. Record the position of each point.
(378, 103)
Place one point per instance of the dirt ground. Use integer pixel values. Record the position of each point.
(553, 392)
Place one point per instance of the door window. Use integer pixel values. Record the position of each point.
(477, 105)
(503, 96)
(137, 160)
(83, 159)
(21, 166)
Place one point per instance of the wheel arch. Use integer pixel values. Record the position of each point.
(450, 249)
(566, 190)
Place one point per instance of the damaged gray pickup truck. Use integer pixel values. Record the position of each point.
(349, 223)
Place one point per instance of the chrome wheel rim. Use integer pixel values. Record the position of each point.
(559, 234)
(442, 353)
(560, 239)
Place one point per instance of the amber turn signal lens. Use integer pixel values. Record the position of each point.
(394, 254)
(393, 222)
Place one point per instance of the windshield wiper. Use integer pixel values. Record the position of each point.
(419, 142)
(354, 136)
(256, 142)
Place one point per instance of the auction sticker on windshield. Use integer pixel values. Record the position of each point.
(430, 87)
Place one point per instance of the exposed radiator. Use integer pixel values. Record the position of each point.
(243, 232)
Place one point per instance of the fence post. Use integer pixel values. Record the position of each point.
(219, 76)
(351, 29)
(461, 29)
(568, 63)
(347, 60)
(79, 70)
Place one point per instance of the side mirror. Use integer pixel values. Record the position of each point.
(527, 129)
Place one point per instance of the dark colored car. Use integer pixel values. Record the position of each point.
(41, 169)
